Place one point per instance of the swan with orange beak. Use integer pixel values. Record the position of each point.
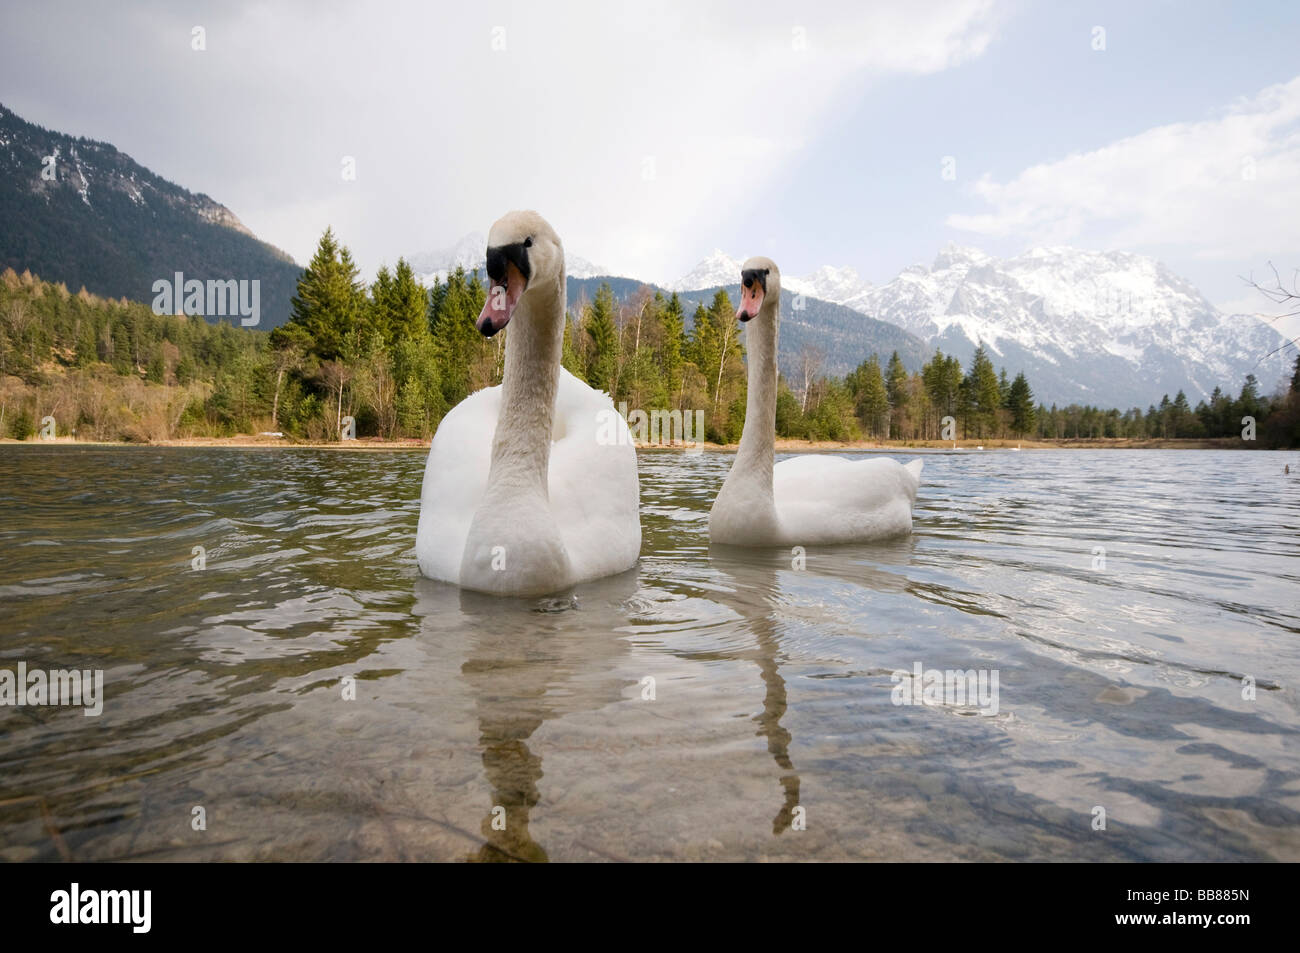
(524, 493)
(806, 500)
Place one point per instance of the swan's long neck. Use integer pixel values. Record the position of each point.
(521, 450)
(758, 439)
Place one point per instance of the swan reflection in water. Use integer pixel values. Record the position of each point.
(752, 577)
(761, 584)
(509, 666)
(524, 662)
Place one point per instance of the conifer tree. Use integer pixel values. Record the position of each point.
(330, 299)
(983, 394)
(406, 316)
(459, 345)
(1020, 401)
(603, 337)
(872, 403)
(674, 341)
(896, 387)
(380, 304)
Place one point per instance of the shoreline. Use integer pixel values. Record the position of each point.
(374, 444)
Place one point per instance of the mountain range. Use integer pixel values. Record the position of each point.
(81, 212)
(1107, 328)
(828, 283)
(833, 337)
(1103, 328)
(830, 336)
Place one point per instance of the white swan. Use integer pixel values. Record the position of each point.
(525, 493)
(805, 500)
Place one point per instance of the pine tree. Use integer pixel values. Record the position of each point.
(952, 383)
(330, 299)
(436, 295)
(674, 342)
(983, 396)
(1020, 400)
(702, 343)
(380, 304)
(570, 358)
(1166, 417)
(1182, 414)
(461, 349)
(156, 372)
(598, 322)
(86, 353)
(933, 377)
(872, 399)
(896, 389)
(1249, 403)
(942, 379)
(406, 310)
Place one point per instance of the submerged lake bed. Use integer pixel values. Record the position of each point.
(281, 684)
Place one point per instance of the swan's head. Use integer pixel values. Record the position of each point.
(760, 280)
(523, 252)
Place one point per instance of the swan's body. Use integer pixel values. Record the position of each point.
(524, 493)
(806, 500)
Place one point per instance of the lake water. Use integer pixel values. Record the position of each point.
(772, 733)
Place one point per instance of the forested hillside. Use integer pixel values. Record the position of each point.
(84, 214)
(396, 356)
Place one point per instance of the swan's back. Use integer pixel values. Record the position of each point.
(593, 488)
(829, 499)
(592, 481)
(454, 480)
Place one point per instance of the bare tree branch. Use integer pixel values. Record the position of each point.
(1278, 294)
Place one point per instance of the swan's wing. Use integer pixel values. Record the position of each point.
(592, 482)
(454, 479)
(827, 499)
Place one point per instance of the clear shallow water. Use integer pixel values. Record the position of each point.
(1118, 688)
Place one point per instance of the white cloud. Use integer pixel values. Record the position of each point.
(1221, 189)
(449, 133)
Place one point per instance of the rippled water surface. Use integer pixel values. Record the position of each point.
(1121, 673)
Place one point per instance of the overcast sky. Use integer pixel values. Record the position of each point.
(650, 133)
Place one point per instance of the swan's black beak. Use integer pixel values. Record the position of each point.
(753, 288)
(508, 273)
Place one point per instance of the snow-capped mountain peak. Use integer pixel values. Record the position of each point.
(1101, 327)
(828, 283)
(1111, 328)
(953, 254)
(470, 253)
(718, 268)
(575, 266)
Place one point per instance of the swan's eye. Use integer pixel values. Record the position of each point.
(528, 242)
(749, 282)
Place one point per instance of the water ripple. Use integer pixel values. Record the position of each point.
(322, 702)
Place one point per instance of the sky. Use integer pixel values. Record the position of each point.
(859, 134)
